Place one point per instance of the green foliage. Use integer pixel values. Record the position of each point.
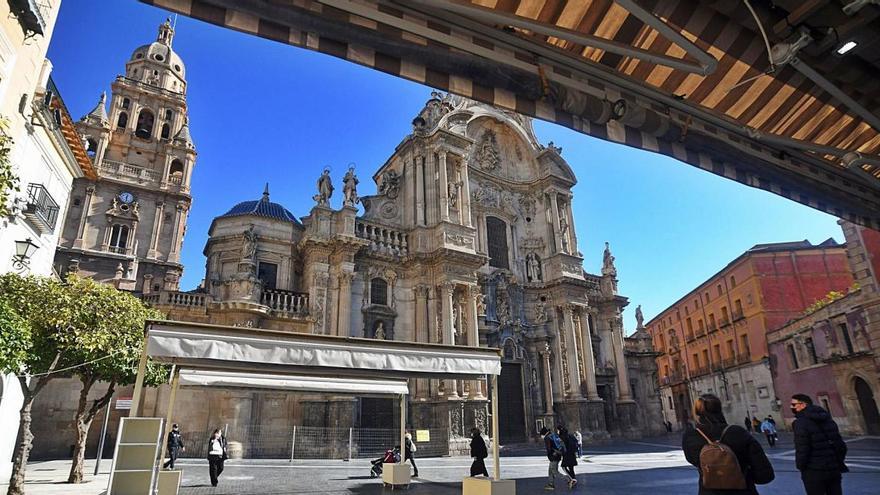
(15, 339)
(825, 301)
(76, 321)
(8, 180)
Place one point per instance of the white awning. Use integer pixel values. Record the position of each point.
(297, 383)
(199, 346)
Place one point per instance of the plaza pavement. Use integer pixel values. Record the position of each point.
(654, 466)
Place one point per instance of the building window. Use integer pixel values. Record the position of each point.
(792, 357)
(696, 360)
(745, 345)
(144, 129)
(737, 309)
(268, 275)
(717, 350)
(823, 399)
(731, 352)
(700, 325)
(846, 338)
(126, 103)
(169, 115)
(712, 323)
(122, 122)
(690, 326)
(718, 288)
(166, 131)
(496, 234)
(725, 317)
(118, 238)
(92, 148)
(732, 281)
(811, 351)
(379, 291)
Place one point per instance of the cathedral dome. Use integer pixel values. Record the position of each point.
(160, 52)
(262, 208)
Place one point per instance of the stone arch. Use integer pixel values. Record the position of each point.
(866, 402)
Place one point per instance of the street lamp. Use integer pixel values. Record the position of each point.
(23, 252)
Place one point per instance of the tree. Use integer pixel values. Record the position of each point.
(108, 335)
(93, 330)
(38, 309)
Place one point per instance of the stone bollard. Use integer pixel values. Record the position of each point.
(235, 450)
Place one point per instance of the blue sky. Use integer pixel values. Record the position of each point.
(263, 112)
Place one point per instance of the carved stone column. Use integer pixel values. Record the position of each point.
(589, 359)
(434, 295)
(465, 196)
(447, 294)
(83, 218)
(343, 325)
(443, 186)
(574, 378)
(157, 230)
(624, 392)
(178, 227)
(554, 216)
(419, 183)
(548, 382)
(473, 335)
(571, 235)
(421, 334)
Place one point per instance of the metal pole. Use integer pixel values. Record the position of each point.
(497, 474)
(350, 437)
(175, 381)
(103, 435)
(293, 443)
(402, 428)
(139, 383)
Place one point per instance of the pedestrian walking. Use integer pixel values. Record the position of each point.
(730, 460)
(569, 457)
(580, 440)
(479, 452)
(748, 423)
(175, 446)
(409, 454)
(555, 448)
(769, 430)
(819, 451)
(217, 454)
(756, 424)
(771, 420)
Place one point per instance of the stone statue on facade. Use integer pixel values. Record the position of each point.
(640, 318)
(487, 155)
(481, 304)
(249, 249)
(540, 312)
(349, 188)
(503, 310)
(325, 188)
(380, 331)
(390, 185)
(608, 262)
(563, 230)
(533, 267)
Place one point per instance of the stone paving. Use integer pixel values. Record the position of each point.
(653, 466)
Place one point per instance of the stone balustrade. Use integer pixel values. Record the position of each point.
(286, 301)
(175, 298)
(382, 239)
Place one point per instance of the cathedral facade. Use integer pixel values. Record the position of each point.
(469, 240)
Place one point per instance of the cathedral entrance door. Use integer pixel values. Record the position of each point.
(866, 403)
(377, 413)
(511, 412)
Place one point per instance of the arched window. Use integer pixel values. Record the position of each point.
(92, 147)
(123, 121)
(176, 169)
(169, 115)
(496, 235)
(118, 238)
(379, 291)
(144, 129)
(126, 103)
(166, 131)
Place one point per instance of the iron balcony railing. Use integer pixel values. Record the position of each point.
(42, 209)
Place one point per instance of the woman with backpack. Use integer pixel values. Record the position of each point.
(730, 460)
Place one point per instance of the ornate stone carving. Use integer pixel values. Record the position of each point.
(380, 332)
(325, 188)
(486, 153)
(390, 185)
(527, 205)
(455, 421)
(460, 240)
(540, 311)
(480, 417)
(533, 268)
(249, 248)
(481, 303)
(349, 188)
(486, 195)
(502, 308)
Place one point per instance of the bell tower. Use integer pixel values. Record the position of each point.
(127, 227)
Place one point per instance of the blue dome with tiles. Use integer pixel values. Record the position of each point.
(262, 208)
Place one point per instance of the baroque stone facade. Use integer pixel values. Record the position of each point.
(470, 241)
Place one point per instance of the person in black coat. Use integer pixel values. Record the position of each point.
(175, 446)
(819, 451)
(569, 458)
(710, 420)
(479, 452)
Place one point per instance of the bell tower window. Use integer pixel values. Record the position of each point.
(126, 103)
(122, 122)
(92, 148)
(175, 172)
(118, 238)
(166, 131)
(145, 121)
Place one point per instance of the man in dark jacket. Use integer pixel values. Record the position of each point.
(175, 446)
(554, 455)
(479, 452)
(819, 451)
